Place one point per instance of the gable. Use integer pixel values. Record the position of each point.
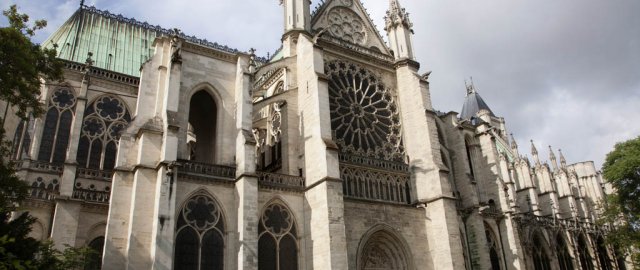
(347, 20)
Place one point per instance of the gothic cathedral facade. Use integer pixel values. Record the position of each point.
(165, 151)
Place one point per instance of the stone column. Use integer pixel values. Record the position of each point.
(328, 249)
(430, 185)
(247, 182)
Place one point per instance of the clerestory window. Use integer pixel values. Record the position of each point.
(57, 126)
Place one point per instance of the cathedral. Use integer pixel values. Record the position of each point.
(162, 150)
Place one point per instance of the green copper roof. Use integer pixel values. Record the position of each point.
(117, 43)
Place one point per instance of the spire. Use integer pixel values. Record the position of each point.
(534, 153)
(396, 15)
(563, 162)
(473, 103)
(552, 157)
(399, 30)
(514, 145)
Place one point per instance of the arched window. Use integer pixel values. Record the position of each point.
(202, 119)
(199, 235)
(603, 255)
(468, 146)
(277, 244)
(104, 121)
(57, 126)
(586, 260)
(21, 141)
(540, 258)
(564, 258)
(494, 248)
(94, 261)
(382, 250)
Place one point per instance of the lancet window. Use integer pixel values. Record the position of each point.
(564, 258)
(21, 141)
(57, 126)
(277, 244)
(603, 255)
(494, 248)
(269, 141)
(104, 121)
(540, 258)
(586, 261)
(199, 241)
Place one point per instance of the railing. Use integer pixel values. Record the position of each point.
(41, 193)
(280, 181)
(94, 174)
(372, 162)
(375, 184)
(529, 219)
(46, 166)
(91, 195)
(204, 171)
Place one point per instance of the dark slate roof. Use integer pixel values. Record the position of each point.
(473, 103)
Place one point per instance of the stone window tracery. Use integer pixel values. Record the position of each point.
(104, 121)
(199, 235)
(277, 244)
(540, 258)
(364, 114)
(345, 24)
(21, 141)
(586, 261)
(57, 126)
(494, 248)
(564, 258)
(382, 250)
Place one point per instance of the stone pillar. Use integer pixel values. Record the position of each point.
(430, 185)
(328, 249)
(247, 181)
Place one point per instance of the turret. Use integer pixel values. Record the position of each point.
(534, 153)
(399, 31)
(297, 15)
(552, 158)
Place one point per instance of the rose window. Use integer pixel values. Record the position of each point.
(110, 108)
(364, 115)
(201, 213)
(347, 25)
(63, 98)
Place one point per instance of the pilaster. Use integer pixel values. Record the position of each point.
(326, 221)
(430, 186)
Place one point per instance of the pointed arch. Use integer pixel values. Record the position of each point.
(494, 248)
(382, 248)
(57, 125)
(200, 230)
(586, 261)
(603, 254)
(540, 251)
(203, 125)
(562, 251)
(104, 120)
(278, 246)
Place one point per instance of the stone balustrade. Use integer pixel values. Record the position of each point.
(90, 195)
(94, 174)
(375, 184)
(203, 171)
(281, 181)
(46, 166)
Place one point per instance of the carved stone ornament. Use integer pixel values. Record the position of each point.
(345, 24)
(364, 114)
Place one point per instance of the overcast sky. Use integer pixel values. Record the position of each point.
(562, 73)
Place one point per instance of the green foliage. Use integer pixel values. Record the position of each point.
(23, 64)
(622, 209)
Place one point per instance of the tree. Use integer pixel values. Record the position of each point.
(24, 66)
(622, 209)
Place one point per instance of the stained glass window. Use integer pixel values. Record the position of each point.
(364, 115)
(603, 255)
(21, 141)
(586, 260)
(103, 123)
(540, 259)
(199, 235)
(493, 249)
(57, 126)
(564, 258)
(277, 245)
